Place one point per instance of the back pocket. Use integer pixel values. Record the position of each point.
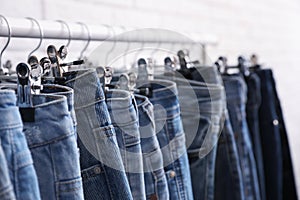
(69, 189)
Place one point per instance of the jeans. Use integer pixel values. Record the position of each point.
(124, 116)
(289, 185)
(236, 99)
(171, 138)
(101, 163)
(14, 145)
(228, 174)
(52, 142)
(279, 175)
(202, 101)
(156, 184)
(6, 187)
(252, 108)
(65, 91)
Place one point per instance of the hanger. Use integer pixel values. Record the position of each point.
(182, 61)
(169, 68)
(221, 64)
(25, 89)
(254, 63)
(142, 83)
(41, 35)
(36, 72)
(241, 66)
(184, 70)
(55, 67)
(89, 39)
(2, 72)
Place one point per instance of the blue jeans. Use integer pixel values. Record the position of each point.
(252, 109)
(6, 187)
(171, 138)
(156, 184)
(236, 91)
(124, 116)
(65, 91)
(13, 142)
(101, 163)
(52, 142)
(202, 102)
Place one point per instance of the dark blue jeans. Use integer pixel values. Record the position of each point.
(236, 91)
(155, 179)
(14, 145)
(124, 115)
(252, 115)
(52, 142)
(171, 137)
(228, 172)
(279, 175)
(101, 163)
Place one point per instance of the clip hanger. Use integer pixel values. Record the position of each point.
(24, 86)
(169, 69)
(142, 82)
(55, 67)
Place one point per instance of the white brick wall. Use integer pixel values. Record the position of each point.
(269, 28)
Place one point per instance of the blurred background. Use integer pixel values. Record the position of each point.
(271, 29)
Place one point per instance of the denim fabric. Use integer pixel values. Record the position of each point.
(202, 102)
(52, 142)
(6, 188)
(65, 91)
(156, 184)
(171, 137)
(236, 102)
(124, 116)
(252, 106)
(289, 185)
(101, 163)
(19, 160)
(279, 176)
(228, 174)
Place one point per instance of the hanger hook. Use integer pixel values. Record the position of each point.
(89, 38)
(41, 35)
(8, 40)
(69, 31)
(110, 28)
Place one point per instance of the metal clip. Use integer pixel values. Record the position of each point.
(168, 67)
(24, 86)
(142, 77)
(36, 73)
(55, 68)
(108, 73)
(123, 82)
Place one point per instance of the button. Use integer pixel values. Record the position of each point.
(275, 122)
(172, 174)
(97, 170)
